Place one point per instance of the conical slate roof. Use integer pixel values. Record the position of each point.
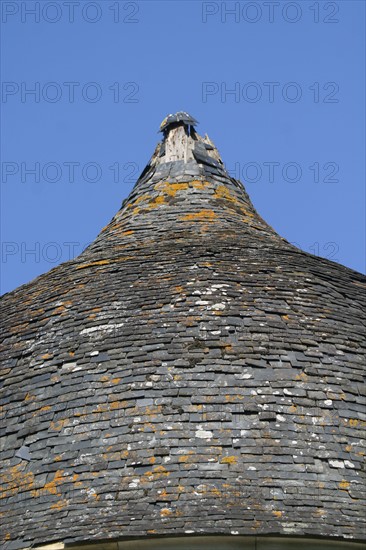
(190, 373)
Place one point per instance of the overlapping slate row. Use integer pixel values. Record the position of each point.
(190, 372)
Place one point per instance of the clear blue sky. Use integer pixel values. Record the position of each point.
(106, 73)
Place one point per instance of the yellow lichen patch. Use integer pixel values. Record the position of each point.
(51, 486)
(47, 356)
(116, 405)
(285, 317)
(344, 484)
(165, 512)
(58, 424)
(157, 201)
(45, 408)
(104, 378)
(186, 458)
(222, 192)
(18, 328)
(353, 422)
(57, 458)
(91, 264)
(115, 380)
(303, 376)
(159, 472)
(127, 233)
(229, 460)
(147, 426)
(15, 480)
(203, 215)
(75, 481)
(60, 504)
(152, 460)
(197, 184)
(277, 513)
(29, 397)
(139, 200)
(7, 536)
(171, 189)
(233, 398)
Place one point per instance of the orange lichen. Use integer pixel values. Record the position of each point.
(58, 424)
(353, 422)
(138, 200)
(127, 233)
(157, 201)
(52, 486)
(222, 192)
(344, 484)
(117, 405)
(203, 215)
(159, 472)
(229, 460)
(47, 356)
(185, 458)
(197, 184)
(170, 189)
(277, 513)
(165, 512)
(29, 397)
(233, 398)
(14, 480)
(59, 504)
(303, 376)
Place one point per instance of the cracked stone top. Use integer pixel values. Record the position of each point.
(190, 373)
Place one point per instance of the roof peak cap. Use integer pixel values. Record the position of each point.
(181, 117)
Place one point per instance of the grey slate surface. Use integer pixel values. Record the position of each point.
(191, 371)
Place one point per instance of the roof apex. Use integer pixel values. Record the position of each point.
(180, 116)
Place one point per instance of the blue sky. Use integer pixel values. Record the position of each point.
(278, 86)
